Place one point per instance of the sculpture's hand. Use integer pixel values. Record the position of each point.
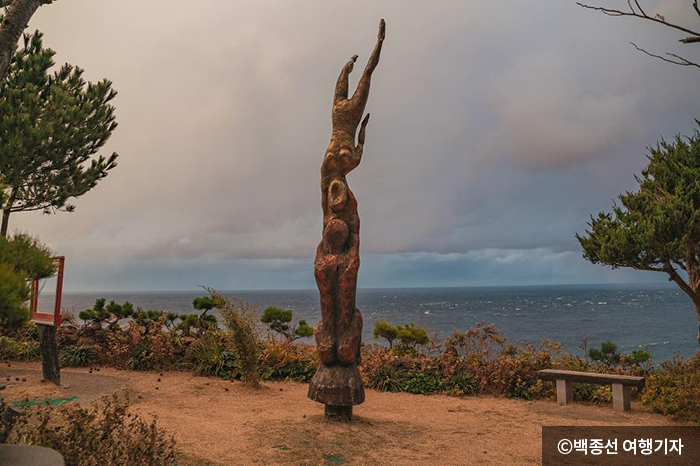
(361, 136)
(341, 87)
(350, 64)
(360, 145)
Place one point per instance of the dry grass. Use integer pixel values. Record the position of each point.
(227, 423)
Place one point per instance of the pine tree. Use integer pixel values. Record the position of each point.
(22, 259)
(51, 125)
(657, 227)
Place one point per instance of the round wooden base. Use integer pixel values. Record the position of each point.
(339, 388)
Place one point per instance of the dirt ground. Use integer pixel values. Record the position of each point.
(224, 423)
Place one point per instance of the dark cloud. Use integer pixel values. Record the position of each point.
(493, 130)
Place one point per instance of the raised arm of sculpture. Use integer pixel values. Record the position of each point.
(347, 112)
(359, 98)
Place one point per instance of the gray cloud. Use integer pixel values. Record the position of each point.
(550, 119)
(492, 129)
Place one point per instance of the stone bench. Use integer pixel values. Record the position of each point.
(621, 385)
(15, 455)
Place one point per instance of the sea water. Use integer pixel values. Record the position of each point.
(660, 318)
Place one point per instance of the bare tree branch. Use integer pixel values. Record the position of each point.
(675, 59)
(641, 14)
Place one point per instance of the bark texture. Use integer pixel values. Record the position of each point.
(50, 367)
(19, 12)
(338, 336)
(5, 223)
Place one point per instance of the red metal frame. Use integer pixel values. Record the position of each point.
(45, 318)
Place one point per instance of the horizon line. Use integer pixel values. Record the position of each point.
(378, 288)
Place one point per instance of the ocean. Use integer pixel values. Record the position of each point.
(657, 317)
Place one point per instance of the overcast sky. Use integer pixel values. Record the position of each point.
(497, 129)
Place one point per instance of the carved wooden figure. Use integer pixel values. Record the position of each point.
(337, 382)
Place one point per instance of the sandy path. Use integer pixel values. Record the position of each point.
(229, 424)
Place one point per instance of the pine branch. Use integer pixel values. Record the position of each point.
(646, 268)
(675, 277)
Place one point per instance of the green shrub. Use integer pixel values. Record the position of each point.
(412, 336)
(14, 293)
(386, 378)
(208, 356)
(204, 321)
(607, 354)
(22, 258)
(12, 349)
(383, 329)
(421, 381)
(147, 318)
(240, 318)
(279, 320)
(461, 383)
(303, 330)
(110, 314)
(674, 389)
(187, 323)
(97, 314)
(409, 336)
(77, 356)
(106, 433)
(27, 255)
(141, 358)
(203, 303)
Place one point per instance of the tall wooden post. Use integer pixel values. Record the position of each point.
(47, 324)
(51, 370)
(337, 382)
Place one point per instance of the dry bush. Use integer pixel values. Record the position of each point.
(14, 349)
(674, 389)
(240, 319)
(138, 347)
(288, 361)
(104, 434)
(478, 360)
(210, 355)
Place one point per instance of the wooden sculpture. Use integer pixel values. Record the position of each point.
(337, 382)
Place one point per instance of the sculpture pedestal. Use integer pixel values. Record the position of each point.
(338, 413)
(339, 388)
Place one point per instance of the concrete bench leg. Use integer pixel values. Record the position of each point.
(565, 392)
(622, 397)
